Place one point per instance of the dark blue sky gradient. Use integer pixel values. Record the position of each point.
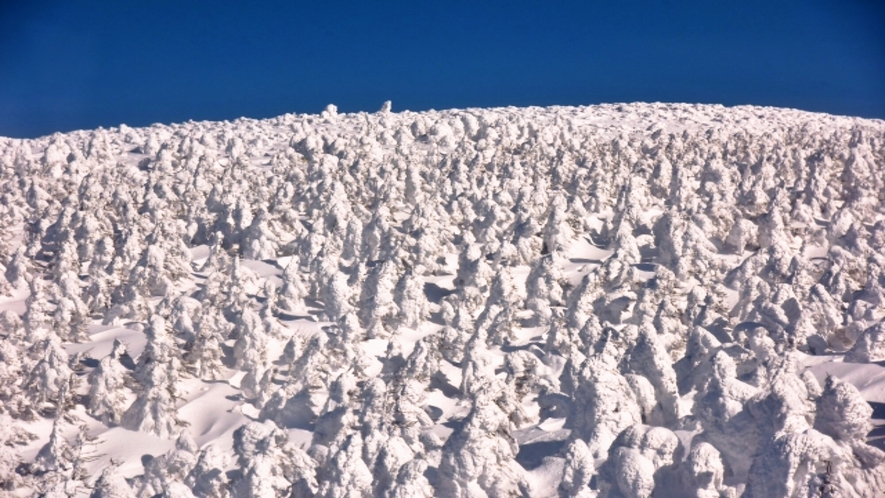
(79, 64)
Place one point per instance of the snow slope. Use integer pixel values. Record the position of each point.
(616, 300)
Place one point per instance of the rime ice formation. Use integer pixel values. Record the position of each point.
(609, 301)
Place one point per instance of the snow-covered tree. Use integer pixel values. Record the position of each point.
(477, 459)
(411, 300)
(49, 384)
(377, 307)
(205, 356)
(11, 437)
(269, 465)
(107, 387)
(157, 372)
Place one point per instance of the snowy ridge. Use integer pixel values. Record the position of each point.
(613, 301)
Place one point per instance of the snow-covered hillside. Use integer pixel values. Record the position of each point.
(613, 301)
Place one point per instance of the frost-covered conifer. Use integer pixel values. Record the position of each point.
(166, 474)
(639, 459)
(157, 372)
(377, 307)
(258, 241)
(181, 316)
(842, 413)
(207, 477)
(50, 381)
(56, 455)
(299, 402)
(269, 466)
(348, 474)
(391, 457)
(720, 408)
(411, 300)
(239, 279)
(250, 349)
(374, 234)
(544, 288)
(352, 239)
(477, 459)
(16, 268)
(11, 437)
(337, 297)
(111, 484)
(411, 481)
(107, 394)
(290, 297)
(704, 470)
(557, 233)
(604, 405)
(71, 315)
(38, 312)
(153, 410)
(12, 369)
(870, 347)
(204, 357)
(648, 358)
(218, 259)
(160, 347)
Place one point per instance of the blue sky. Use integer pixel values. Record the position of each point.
(80, 64)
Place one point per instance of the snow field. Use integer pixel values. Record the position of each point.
(613, 301)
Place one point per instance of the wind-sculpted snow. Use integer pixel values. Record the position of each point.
(614, 301)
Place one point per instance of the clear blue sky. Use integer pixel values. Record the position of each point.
(79, 64)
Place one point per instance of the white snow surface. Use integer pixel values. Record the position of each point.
(609, 301)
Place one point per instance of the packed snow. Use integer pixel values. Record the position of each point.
(608, 301)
